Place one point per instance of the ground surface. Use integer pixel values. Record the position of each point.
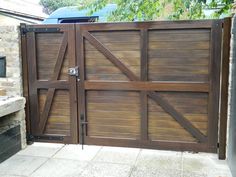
(56, 160)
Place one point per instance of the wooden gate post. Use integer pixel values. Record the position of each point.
(224, 88)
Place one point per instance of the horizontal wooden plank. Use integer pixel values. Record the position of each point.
(178, 78)
(156, 36)
(168, 123)
(106, 130)
(59, 119)
(116, 115)
(115, 46)
(104, 62)
(155, 86)
(64, 85)
(164, 137)
(187, 45)
(168, 53)
(109, 70)
(119, 106)
(178, 61)
(119, 54)
(106, 77)
(113, 135)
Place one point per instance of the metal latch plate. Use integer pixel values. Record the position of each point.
(74, 71)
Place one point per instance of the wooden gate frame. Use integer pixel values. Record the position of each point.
(226, 23)
(82, 31)
(31, 84)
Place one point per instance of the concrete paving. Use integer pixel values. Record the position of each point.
(57, 160)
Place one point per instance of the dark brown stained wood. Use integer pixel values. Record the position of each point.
(224, 88)
(109, 55)
(177, 116)
(45, 57)
(51, 91)
(143, 94)
(32, 70)
(168, 63)
(74, 133)
(193, 106)
(123, 45)
(194, 35)
(105, 123)
(166, 145)
(141, 84)
(196, 132)
(59, 115)
(182, 24)
(55, 92)
(175, 63)
(25, 80)
(152, 86)
(53, 84)
(214, 75)
(81, 91)
(187, 45)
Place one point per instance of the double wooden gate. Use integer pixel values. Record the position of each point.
(144, 84)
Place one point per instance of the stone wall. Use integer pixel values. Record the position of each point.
(10, 47)
(11, 85)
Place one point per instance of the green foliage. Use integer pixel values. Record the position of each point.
(141, 10)
(52, 5)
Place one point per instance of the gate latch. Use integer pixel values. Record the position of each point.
(74, 71)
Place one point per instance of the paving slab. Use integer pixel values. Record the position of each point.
(219, 173)
(49, 160)
(60, 168)
(160, 160)
(41, 149)
(75, 152)
(100, 169)
(12, 176)
(205, 163)
(154, 172)
(117, 155)
(194, 174)
(21, 165)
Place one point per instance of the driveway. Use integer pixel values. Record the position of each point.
(57, 160)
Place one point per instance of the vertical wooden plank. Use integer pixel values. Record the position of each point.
(144, 77)
(224, 87)
(81, 64)
(214, 80)
(25, 79)
(73, 85)
(33, 91)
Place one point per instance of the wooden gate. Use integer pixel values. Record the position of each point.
(143, 84)
(152, 85)
(51, 91)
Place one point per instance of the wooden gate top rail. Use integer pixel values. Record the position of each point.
(181, 24)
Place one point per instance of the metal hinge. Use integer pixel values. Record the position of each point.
(24, 30)
(74, 71)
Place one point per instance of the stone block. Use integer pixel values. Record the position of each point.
(3, 92)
